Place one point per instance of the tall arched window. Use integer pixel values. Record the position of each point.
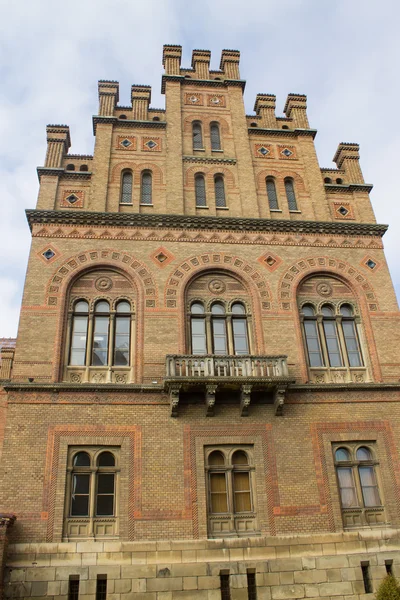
(146, 191)
(239, 327)
(219, 187)
(126, 187)
(197, 135)
(122, 341)
(198, 328)
(331, 336)
(290, 194)
(200, 190)
(271, 193)
(101, 328)
(77, 354)
(215, 136)
(218, 322)
(350, 336)
(311, 333)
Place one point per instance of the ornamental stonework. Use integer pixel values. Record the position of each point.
(217, 286)
(194, 99)
(216, 100)
(103, 284)
(125, 142)
(72, 199)
(263, 151)
(151, 144)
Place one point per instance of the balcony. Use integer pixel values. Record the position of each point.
(212, 373)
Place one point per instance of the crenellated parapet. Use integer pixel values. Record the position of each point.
(172, 56)
(58, 144)
(296, 109)
(108, 97)
(141, 98)
(229, 64)
(347, 158)
(264, 107)
(201, 63)
(200, 66)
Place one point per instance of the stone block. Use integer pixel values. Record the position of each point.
(263, 593)
(89, 559)
(308, 562)
(63, 573)
(114, 558)
(335, 589)
(283, 592)
(239, 594)
(311, 591)
(286, 577)
(190, 583)
(17, 575)
(39, 588)
(238, 581)
(67, 559)
(169, 556)
(123, 586)
(66, 547)
(291, 564)
(139, 558)
(189, 556)
(332, 562)
(189, 570)
(54, 588)
(208, 583)
(89, 546)
(42, 574)
(334, 575)
(112, 546)
(199, 595)
(138, 572)
(161, 584)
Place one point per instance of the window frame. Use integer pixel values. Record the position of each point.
(124, 193)
(146, 197)
(200, 194)
(273, 202)
(215, 139)
(197, 144)
(291, 196)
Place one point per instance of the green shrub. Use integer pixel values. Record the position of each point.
(388, 590)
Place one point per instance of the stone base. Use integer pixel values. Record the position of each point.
(318, 566)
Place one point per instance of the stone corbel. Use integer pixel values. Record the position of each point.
(245, 393)
(174, 399)
(279, 399)
(210, 399)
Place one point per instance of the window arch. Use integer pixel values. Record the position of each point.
(84, 168)
(290, 193)
(219, 188)
(197, 134)
(215, 136)
(126, 187)
(146, 192)
(198, 328)
(218, 326)
(200, 190)
(70, 167)
(271, 193)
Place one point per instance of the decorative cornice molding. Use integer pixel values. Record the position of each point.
(129, 123)
(209, 160)
(348, 188)
(83, 387)
(185, 222)
(202, 82)
(54, 171)
(345, 387)
(293, 133)
(80, 156)
(63, 173)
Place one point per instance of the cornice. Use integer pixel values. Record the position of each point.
(82, 387)
(130, 123)
(291, 133)
(206, 223)
(62, 173)
(209, 160)
(80, 156)
(348, 188)
(54, 171)
(202, 82)
(345, 387)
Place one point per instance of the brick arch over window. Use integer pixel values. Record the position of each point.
(279, 177)
(118, 168)
(137, 168)
(205, 121)
(209, 173)
(338, 269)
(256, 284)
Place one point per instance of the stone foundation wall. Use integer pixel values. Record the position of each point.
(319, 566)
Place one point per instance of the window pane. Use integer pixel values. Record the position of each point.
(81, 484)
(123, 307)
(240, 340)
(80, 506)
(100, 341)
(238, 309)
(219, 336)
(146, 197)
(240, 458)
(347, 488)
(217, 309)
(215, 137)
(197, 136)
(327, 311)
(271, 193)
(332, 343)
(126, 191)
(105, 483)
(81, 307)
(313, 345)
(102, 307)
(197, 309)
(369, 486)
(363, 454)
(291, 197)
(106, 459)
(105, 505)
(81, 459)
(216, 458)
(241, 486)
(219, 192)
(199, 345)
(200, 189)
(78, 341)
(122, 341)
(342, 454)
(219, 500)
(346, 310)
(308, 311)
(351, 341)
(80, 495)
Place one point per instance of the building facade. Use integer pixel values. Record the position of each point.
(203, 399)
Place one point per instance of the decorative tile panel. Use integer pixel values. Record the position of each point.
(72, 198)
(216, 100)
(151, 144)
(264, 151)
(287, 152)
(343, 210)
(125, 142)
(194, 99)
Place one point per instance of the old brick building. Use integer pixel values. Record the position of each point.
(203, 400)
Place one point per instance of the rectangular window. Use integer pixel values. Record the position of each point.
(122, 338)
(80, 495)
(219, 336)
(352, 345)
(313, 346)
(240, 336)
(366, 577)
(218, 493)
(225, 586)
(101, 587)
(332, 344)
(251, 585)
(100, 341)
(199, 345)
(78, 341)
(105, 494)
(73, 587)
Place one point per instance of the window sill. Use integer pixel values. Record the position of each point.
(146, 204)
(295, 211)
(203, 207)
(277, 210)
(199, 149)
(126, 203)
(222, 207)
(216, 150)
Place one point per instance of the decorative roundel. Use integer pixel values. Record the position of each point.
(324, 289)
(216, 286)
(103, 284)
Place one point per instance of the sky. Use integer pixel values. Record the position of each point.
(344, 54)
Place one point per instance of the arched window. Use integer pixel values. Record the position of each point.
(239, 329)
(350, 336)
(215, 136)
(197, 135)
(218, 322)
(83, 168)
(271, 193)
(200, 190)
(146, 191)
(101, 328)
(70, 167)
(357, 476)
(230, 490)
(331, 336)
(198, 328)
(312, 337)
(122, 342)
(220, 200)
(126, 187)
(77, 354)
(290, 193)
(91, 492)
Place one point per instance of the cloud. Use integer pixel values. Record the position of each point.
(343, 54)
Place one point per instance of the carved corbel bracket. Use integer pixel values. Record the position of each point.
(174, 391)
(279, 399)
(210, 399)
(245, 393)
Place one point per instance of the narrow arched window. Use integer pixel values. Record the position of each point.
(80, 485)
(220, 200)
(197, 136)
(80, 316)
(126, 187)
(101, 328)
(198, 328)
(347, 486)
(239, 329)
(350, 336)
(331, 337)
(271, 193)
(146, 191)
(241, 482)
(122, 334)
(311, 333)
(218, 321)
(200, 190)
(215, 136)
(290, 193)
(105, 485)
